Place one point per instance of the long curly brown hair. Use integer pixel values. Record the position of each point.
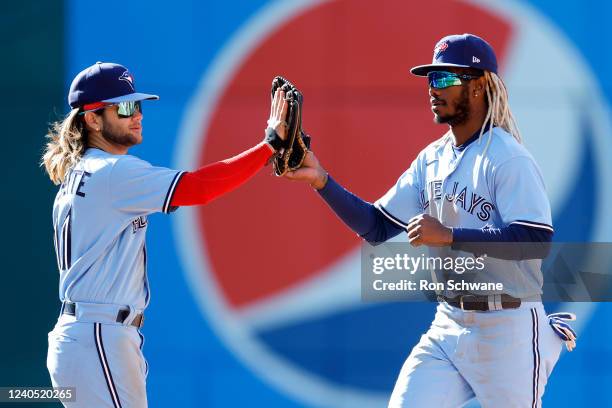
(65, 147)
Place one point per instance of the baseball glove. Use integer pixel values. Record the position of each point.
(297, 144)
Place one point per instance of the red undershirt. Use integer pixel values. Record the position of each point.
(211, 181)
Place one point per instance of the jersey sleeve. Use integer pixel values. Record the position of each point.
(520, 194)
(402, 201)
(136, 187)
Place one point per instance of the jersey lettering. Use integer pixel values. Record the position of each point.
(451, 197)
(139, 223)
(485, 212)
(436, 187)
(476, 199)
(424, 202)
(75, 182)
(62, 240)
(461, 198)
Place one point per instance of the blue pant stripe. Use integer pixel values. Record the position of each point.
(105, 367)
(536, 358)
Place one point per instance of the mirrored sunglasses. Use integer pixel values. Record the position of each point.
(444, 79)
(125, 109)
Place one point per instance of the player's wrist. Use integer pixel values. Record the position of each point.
(450, 238)
(273, 139)
(320, 181)
(272, 149)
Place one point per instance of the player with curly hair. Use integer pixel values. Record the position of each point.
(100, 223)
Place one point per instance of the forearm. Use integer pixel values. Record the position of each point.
(216, 179)
(514, 242)
(359, 215)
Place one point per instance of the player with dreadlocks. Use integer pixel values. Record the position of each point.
(498, 111)
(461, 194)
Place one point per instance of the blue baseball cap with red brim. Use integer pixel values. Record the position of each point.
(104, 83)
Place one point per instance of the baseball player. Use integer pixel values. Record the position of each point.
(100, 222)
(476, 184)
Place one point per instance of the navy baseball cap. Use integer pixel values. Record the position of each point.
(104, 82)
(460, 50)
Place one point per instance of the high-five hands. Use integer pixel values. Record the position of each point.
(311, 172)
(278, 114)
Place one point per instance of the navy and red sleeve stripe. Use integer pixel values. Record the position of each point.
(211, 181)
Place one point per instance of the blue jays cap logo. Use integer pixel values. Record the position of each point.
(295, 316)
(440, 48)
(127, 77)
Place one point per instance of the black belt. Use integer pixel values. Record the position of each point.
(69, 308)
(482, 303)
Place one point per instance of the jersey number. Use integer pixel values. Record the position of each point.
(61, 238)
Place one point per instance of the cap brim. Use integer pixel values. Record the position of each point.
(131, 97)
(423, 70)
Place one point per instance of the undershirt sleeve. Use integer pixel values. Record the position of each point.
(211, 181)
(359, 215)
(523, 242)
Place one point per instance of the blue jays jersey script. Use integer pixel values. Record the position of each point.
(474, 188)
(100, 222)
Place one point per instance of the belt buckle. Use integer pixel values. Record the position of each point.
(461, 300)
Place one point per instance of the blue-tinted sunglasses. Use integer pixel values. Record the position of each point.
(125, 109)
(444, 79)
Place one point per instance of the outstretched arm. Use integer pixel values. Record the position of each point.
(216, 179)
(359, 215)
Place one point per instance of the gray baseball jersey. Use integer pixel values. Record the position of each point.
(100, 221)
(466, 188)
